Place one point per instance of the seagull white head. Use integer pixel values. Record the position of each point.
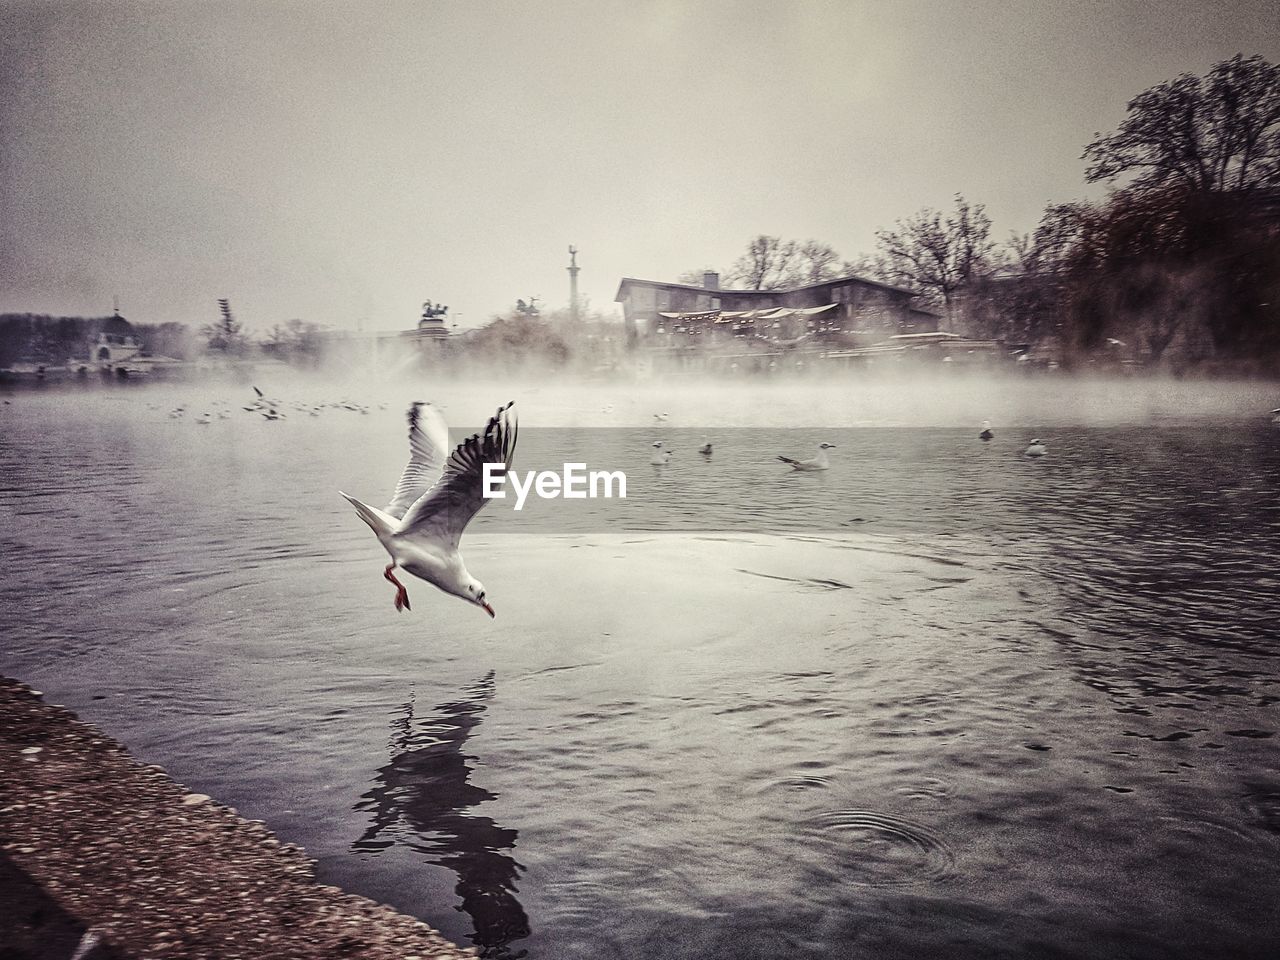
(475, 594)
(658, 443)
(826, 446)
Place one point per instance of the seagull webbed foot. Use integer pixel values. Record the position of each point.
(402, 599)
(402, 595)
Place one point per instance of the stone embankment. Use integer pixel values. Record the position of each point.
(103, 857)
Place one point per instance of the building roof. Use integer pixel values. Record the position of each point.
(116, 325)
(763, 313)
(726, 290)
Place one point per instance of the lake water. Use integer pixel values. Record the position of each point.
(941, 700)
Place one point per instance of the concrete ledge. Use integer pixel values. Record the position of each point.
(92, 840)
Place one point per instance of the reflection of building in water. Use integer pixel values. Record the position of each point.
(418, 800)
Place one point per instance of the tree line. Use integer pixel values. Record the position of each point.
(1180, 261)
(1184, 251)
(46, 339)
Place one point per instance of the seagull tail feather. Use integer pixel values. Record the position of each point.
(381, 523)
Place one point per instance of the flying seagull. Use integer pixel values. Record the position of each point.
(820, 462)
(436, 499)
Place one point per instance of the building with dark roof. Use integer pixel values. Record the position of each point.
(846, 311)
(113, 340)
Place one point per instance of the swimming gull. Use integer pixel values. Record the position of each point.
(820, 462)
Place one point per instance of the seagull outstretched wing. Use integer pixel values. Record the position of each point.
(444, 511)
(428, 447)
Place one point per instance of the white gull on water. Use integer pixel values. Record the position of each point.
(820, 462)
(436, 499)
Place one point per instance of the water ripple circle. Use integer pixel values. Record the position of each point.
(875, 849)
(801, 783)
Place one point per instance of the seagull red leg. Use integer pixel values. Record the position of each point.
(402, 595)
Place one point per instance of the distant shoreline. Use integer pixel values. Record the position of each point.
(190, 374)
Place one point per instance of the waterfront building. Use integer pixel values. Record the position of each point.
(686, 325)
(113, 342)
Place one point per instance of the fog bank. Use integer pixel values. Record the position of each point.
(549, 401)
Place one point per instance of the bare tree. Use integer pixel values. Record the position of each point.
(226, 336)
(296, 341)
(936, 254)
(1027, 299)
(864, 265)
(767, 264)
(816, 262)
(1056, 239)
(1216, 133)
(694, 278)
(167, 339)
(772, 263)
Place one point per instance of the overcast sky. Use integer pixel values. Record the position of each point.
(344, 162)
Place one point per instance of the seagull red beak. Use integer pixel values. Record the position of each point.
(487, 609)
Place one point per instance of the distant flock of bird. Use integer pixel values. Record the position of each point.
(662, 455)
(273, 409)
(268, 408)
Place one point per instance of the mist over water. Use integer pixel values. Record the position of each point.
(874, 397)
(940, 700)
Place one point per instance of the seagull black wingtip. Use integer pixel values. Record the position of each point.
(414, 412)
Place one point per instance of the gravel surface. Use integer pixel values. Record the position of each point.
(93, 841)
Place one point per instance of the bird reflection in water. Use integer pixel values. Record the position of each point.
(419, 799)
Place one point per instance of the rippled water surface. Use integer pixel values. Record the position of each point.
(941, 700)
